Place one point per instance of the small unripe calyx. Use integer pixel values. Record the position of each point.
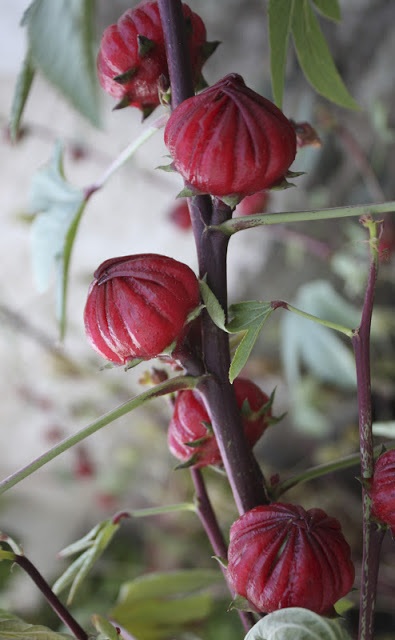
(382, 489)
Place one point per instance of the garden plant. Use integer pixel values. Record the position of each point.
(288, 567)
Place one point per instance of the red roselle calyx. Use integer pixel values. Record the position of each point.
(138, 306)
(382, 489)
(283, 556)
(190, 436)
(229, 140)
(250, 205)
(132, 62)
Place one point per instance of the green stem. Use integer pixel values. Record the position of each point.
(249, 222)
(169, 386)
(322, 470)
(326, 323)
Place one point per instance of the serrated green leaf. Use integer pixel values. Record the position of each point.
(329, 8)
(245, 314)
(315, 58)
(295, 623)
(13, 628)
(243, 351)
(58, 207)
(61, 39)
(280, 21)
(22, 89)
(213, 307)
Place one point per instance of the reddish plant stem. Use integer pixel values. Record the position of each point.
(63, 614)
(243, 472)
(211, 526)
(371, 539)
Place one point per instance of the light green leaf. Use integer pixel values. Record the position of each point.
(315, 58)
(213, 307)
(21, 94)
(160, 605)
(106, 630)
(61, 39)
(58, 207)
(329, 8)
(13, 628)
(79, 569)
(280, 21)
(297, 624)
(248, 317)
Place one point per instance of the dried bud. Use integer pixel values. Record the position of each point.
(229, 140)
(138, 306)
(132, 64)
(283, 556)
(382, 489)
(190, 436)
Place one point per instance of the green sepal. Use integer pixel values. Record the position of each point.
(232, 200)
(122, 104)
(145, 45)
(241, 604)
(208, 49)
(146, 111)
(201, 83)
(194, 444)
(133, 363)
(124, 78)
(221, 561)
(189, 192)
(188, 463)
(169, 168)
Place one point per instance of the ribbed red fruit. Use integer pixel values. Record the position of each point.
(190, 436)
(132, 57)
(283, 556)
(229, 140)
(138, 305)
(382, 489)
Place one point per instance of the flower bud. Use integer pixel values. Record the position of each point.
(382, 489)
(229, 140)
(132, 60)
(138, 306)
(283, 556)
(190, 436)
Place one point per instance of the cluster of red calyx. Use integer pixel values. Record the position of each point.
(132, 60)
(283, 556)
(190, 435)
(138, 306)
(229, 141)
(382, 490)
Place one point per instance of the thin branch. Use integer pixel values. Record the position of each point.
(63, 614)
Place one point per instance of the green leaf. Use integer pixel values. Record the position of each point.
(22, 89)
(214, 309)
(58, 207)
(61, 39)
(105, 628)
(295, 623)
(159, 605)
(248, 317)
(329, 8)
(78, 571)
(315, 58)
(280, 21)
(13, 628)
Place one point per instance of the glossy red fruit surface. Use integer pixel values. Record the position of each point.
(283, 556)
(382, 489)
(132, 56)
(229, 140)
(137, 306)
(190, 437)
